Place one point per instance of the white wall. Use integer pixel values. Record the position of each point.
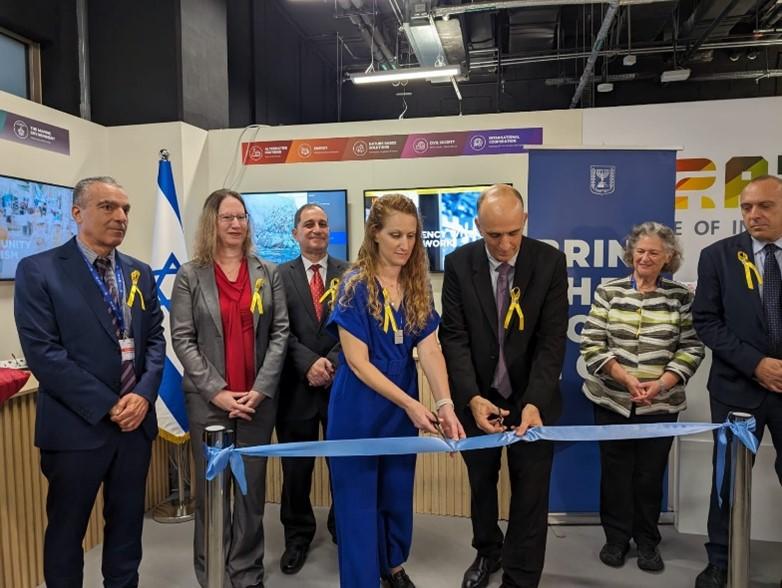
(89, 156)
(717, 131)
(559, 128)
(128, 153)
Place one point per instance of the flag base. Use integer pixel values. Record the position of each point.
(174, 511)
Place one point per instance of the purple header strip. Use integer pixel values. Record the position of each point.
(28, 131)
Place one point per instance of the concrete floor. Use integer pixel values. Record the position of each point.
(441, 552)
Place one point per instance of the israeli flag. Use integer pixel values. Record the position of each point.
(168, 253)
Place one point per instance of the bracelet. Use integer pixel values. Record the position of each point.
(443, 402)
(663, 387)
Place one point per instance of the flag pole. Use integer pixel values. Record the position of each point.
(168, 253)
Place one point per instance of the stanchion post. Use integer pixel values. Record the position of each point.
(181, 508)
(215, 436)
(741, 491)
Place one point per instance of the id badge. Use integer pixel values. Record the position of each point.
(398, 337)
(128, 349)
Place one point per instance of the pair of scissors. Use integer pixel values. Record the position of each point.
(438, 426)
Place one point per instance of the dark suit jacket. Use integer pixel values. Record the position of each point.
(468, 332)
(308, 341)
(69, 342)
(729, 319)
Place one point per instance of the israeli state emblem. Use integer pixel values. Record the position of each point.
(602, 179)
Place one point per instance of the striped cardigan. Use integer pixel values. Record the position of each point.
(648, 334)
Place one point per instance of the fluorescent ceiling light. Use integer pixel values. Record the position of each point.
(409, 73)
(675, 75)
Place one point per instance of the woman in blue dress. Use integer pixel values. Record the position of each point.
(384, 309)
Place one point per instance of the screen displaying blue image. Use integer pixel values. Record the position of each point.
(447, 217)
(34, 217)
(272, 213)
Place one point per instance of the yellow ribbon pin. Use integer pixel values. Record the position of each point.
(331, 292)
(514, 308)
(134, 277)
(749, 269)
(257, 300)
(388, 318)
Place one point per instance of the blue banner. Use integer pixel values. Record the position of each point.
(584, 202)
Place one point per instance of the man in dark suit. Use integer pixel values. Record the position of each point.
(90, 326)
(306, 378)
(506, 374)
(739, 317)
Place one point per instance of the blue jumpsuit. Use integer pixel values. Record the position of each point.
(373, 496)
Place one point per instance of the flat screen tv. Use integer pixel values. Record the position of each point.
(447, 217)
(272, 216)
(34, 216)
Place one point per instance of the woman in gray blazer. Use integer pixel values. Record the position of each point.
(229, 329)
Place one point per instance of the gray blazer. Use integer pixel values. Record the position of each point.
(197, 329)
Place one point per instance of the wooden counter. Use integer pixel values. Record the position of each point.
(23, 493)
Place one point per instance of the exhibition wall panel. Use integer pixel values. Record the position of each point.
(226, 169)
(88, 156)
(724, 144)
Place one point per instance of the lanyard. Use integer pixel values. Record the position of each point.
(107, 298)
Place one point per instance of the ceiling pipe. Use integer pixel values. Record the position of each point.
(397, 11)
(380, 51)
(479, 64)
(83, 47)
(377, 35)
(705, 35)
(605, 27)
(712, 77)
(448, 11)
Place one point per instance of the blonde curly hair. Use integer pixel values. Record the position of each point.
(414, 276)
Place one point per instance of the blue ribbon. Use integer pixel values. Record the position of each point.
(741, 430)
(219, 458)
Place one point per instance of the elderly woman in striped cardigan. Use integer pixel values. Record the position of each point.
(640, 348)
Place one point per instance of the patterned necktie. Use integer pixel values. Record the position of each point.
(501, 381)
(316, 290)
(772, 296)
(127, 371)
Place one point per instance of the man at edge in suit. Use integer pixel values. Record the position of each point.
(506, 374)
(97, 353)
(738, 315)
(306, 378)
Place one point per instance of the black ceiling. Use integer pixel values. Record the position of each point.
(546, 44)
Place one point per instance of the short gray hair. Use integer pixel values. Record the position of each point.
(81, 187)
(666, 235)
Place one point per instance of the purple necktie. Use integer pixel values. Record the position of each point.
(127, 381)
(501, 381)
(772, 297)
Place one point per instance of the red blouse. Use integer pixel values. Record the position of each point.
(238, 332)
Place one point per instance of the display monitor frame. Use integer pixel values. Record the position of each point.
(31, 227)
(336, 247)
(435, 253)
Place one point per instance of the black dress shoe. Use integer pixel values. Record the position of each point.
(712, 577)
(477, 575)
(293, 558)
(400, 579)
(649, 558)
(613, 554)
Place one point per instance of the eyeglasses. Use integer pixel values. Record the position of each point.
(229, 218)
